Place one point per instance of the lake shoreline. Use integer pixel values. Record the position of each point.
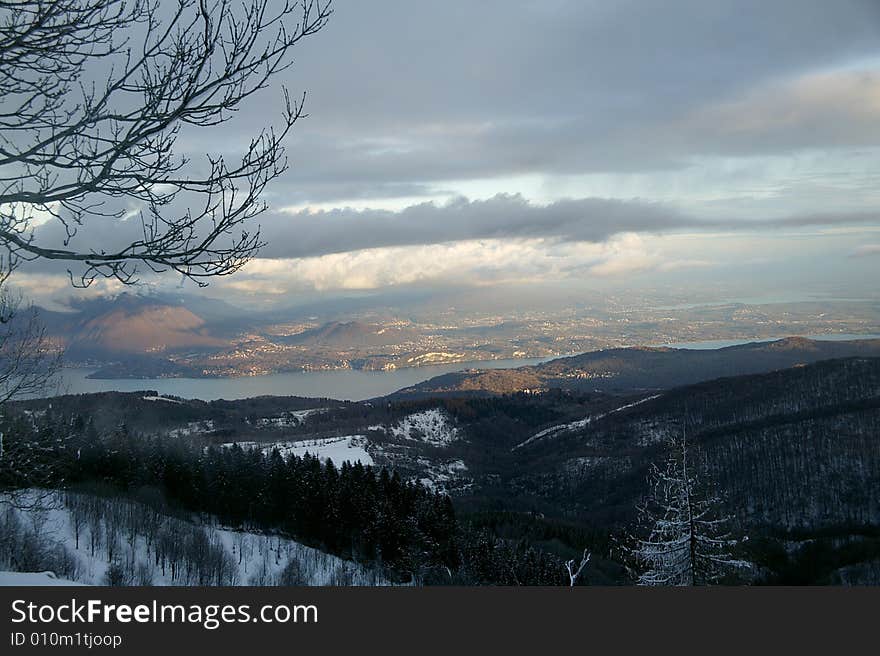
(341, 384)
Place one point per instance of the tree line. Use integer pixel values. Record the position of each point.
(354, 511)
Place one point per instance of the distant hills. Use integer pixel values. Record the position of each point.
(352, 334)
(135, 325)
(628, 370)
(150, 336)
(130, 325)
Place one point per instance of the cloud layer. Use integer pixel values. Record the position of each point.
(503, 141)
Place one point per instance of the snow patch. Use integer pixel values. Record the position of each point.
(193, 428)
(443, 477)
(433, 427)
(290, 419)
(351, 448)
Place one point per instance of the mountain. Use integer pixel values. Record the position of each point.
(132, 325)
(796, 449)
(627, 370)
(794, 455)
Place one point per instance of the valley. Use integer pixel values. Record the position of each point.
(786, 431)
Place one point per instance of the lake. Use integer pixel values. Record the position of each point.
(724, 343)
(347, 384)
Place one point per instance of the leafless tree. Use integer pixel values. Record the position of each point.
(28, 365)
(95, 94)
(95, 514)
(77, 511)
(573, 573)
(686, 541)
(93, 97)
(293, 574)
(28, 361)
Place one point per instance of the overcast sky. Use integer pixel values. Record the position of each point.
(605, 144)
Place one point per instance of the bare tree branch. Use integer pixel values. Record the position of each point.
(28, 366)
(573, 573)
(69, 143)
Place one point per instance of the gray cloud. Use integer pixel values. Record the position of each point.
(406, 93)
(408, 99)
(395, 63)
(405, 97)
(306, 233)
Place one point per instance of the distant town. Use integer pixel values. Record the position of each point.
(181, 343)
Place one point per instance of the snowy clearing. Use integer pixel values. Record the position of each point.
(350, 448)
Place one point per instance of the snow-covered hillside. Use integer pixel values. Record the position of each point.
(192, 428)
(418, 446)
(338, 449)
(93, 540)
(33, 579)
(433, 427)
(444, 476)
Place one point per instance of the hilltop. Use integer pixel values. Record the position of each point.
(626, 370)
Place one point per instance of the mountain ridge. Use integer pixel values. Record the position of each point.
(632, 369)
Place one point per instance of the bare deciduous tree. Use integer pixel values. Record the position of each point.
(28, 362)
(94, 96)
(573, 573)
(28, 365)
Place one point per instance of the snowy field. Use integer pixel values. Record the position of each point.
(73, 538)
(350, 448)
